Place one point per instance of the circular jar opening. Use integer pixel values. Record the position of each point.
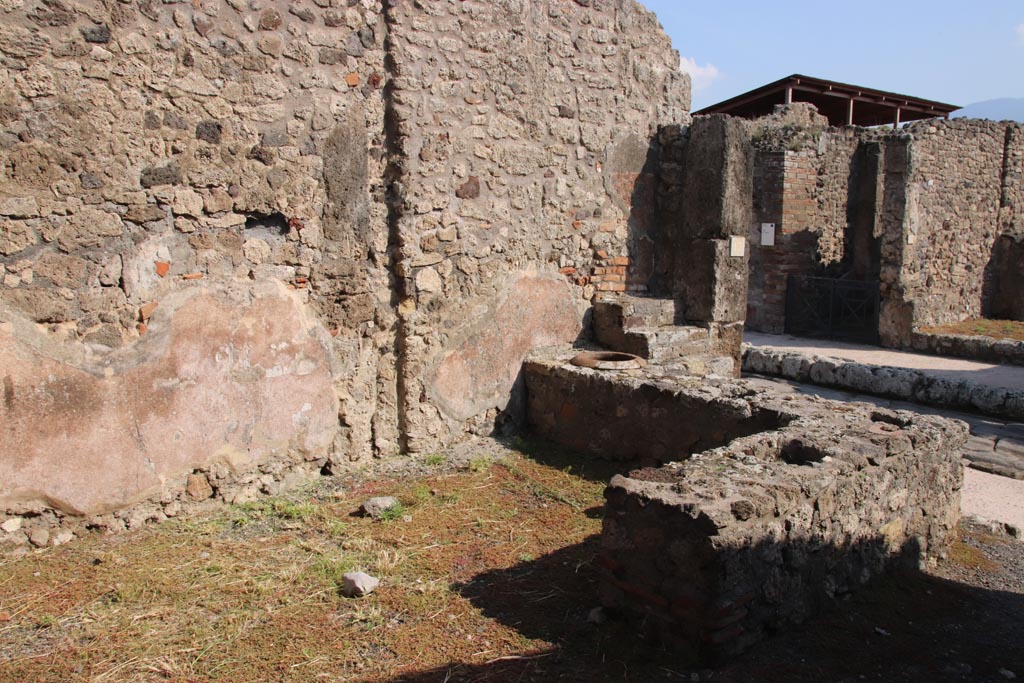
(608, 360)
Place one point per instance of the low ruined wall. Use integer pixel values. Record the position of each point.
(797, 501)
(712, 554)
(631, 419)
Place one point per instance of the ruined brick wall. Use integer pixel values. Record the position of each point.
(526, 129)
(800, 184)
(439, 187)
(919, 208)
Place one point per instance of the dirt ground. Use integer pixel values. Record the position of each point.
(487, 575)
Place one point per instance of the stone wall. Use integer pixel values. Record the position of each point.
(955, 190)
(150, 146)
(525, 129)
(442, 185)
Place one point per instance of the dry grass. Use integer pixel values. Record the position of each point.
(251, 593)
(487, 575)
(997, 329)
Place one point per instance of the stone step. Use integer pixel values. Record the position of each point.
(667, 343)
(629, 311)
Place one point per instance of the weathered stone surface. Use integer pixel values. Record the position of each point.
(338, 178)
(15, 236)
(717, 180)
(209, 131)
(479, 371)
(711, 282)
(999, 351)
(797, 503)
(358, 584)
(62, 270)
(154, 176)
(197, 486)
(89, 228)
(235, 378)
(469, 189)
(19, 207)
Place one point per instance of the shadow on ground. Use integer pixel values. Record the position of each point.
(910, 627)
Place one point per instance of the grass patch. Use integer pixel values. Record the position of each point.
(479, 463)
(393, 513)
(997, 329)
(966, 555)
(492, 579)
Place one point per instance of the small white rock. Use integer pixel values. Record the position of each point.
(1007, 674)
(358, 584)
(62, 537)
(11, 525)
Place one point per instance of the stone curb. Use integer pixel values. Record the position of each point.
(881, 380)
(972, 347)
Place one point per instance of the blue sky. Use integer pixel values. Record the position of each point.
(946, 50)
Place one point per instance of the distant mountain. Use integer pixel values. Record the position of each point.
(1005, 109)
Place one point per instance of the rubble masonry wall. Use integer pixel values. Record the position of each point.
(438, 187)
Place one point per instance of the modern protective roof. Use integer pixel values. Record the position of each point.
(843, 104)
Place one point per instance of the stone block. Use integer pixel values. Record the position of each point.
(717, 188)
(711, 283)
(16, 236)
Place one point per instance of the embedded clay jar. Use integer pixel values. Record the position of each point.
(608, 360)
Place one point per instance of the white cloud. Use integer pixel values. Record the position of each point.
(1020, 33)
(700, 76)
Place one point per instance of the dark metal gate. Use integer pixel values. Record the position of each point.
(832, 307)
